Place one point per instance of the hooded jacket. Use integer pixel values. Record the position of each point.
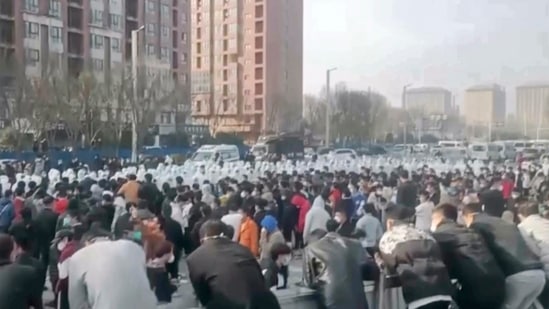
(316, 218)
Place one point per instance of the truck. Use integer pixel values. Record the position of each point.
(278, 146)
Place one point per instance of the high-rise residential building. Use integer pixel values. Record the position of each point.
(95, 35)
(484, 105)
(247, 64)
(429, 101)
(533, 105)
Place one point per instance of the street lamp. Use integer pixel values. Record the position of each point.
(135, 54)
(406, 115)
(328, 106)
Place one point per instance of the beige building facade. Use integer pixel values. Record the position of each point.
(533, 105)
(484, 105)
(429, 101)
(247, 63)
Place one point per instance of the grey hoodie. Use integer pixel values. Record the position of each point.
(316, 218)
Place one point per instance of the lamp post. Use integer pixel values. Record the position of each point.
(135, 54)
(405, 129)
(328, 106)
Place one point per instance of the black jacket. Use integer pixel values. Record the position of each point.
(493, 201)
(415, 257)
(225, 274)
(46, 223)
(174, 233)
(18, 286)
(407, 194)
(38, 267)
(506, 244)
(333, 267)
(469, 260)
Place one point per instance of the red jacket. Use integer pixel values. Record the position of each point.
(507, 187)
(303, 205)
(61, 205)
(18, 205)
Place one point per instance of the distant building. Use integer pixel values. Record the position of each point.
(484, 105)
(533, 105)
(429, 100)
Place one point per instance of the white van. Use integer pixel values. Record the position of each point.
(521, 145)
(452, 144)
(484, 151)
(227, 153)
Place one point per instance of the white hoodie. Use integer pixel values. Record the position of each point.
(316, 218)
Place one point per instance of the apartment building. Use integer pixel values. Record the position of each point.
(533, 106)
(429, 101)
(484, 105)
(247, 64)
(95, 35)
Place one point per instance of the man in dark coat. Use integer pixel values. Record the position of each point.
(468, 260)
(407, 191)
(23, 253)
(18, 283)
(46, 222)
(174, 234)
(225, 274)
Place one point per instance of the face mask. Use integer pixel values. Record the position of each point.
(433, 228)
(515, 195)
(285, 259)
(283, 197)
(61, 245)
(337, 219)
(243, 194)
(255, 193)
(171, 259)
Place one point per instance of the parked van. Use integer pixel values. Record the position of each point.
(484, 151)
(227, 153)
(452, 144)
(521, 145)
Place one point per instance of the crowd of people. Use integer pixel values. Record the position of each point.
(448, 239)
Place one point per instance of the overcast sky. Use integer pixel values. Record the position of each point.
(455, 44)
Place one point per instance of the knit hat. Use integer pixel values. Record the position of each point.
(269, 223)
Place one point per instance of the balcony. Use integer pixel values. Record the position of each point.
(75, 42)
(7, 32)
(6, 9)
(131, 9)
(75, 18)
(76, 3)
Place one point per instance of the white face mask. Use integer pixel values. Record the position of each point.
(243, 194)
(433, 228)
(283, 197)
(337, 219)
(171, 259)
(61, 245)
(285, 259)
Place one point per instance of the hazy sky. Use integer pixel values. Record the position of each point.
(455, 44)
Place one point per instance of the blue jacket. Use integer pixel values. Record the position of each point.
(7, 213)
(358, 199)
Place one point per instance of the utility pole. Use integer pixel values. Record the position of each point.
(328, 107)
(405, 112)
(135, 59)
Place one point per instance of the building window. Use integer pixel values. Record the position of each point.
(115, 44)
(96, 41)
(31, 6)
(151, 28)
(55, 8)
(165, 31)
(184, 37)
(32, 56)
(199, 17)
(164, 53)
(184, 58)
(115, 21)
(55, 33)
(165, 11)
(165, 118)
(31, 30)
(258, 104)
(97, 65)
(199, 106)
(225, 105)
(97, 17)
(150, 5)
(150, 50)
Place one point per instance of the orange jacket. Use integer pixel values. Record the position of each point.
(249, 235)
